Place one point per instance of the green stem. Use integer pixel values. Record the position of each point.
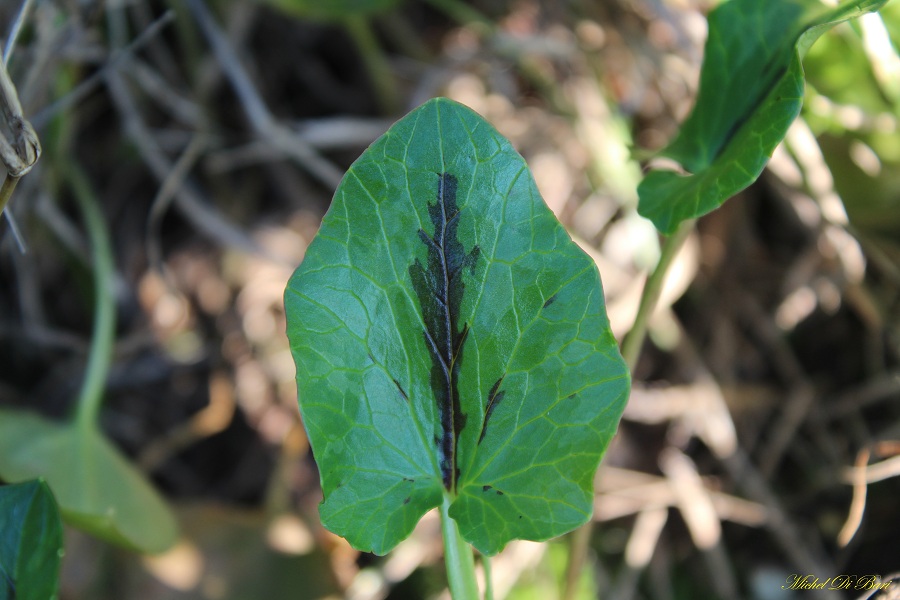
(458, 558)
(102, 338)
(634, 340)
(376, 62)
(488, 582)
(578, 547)
(631, 351)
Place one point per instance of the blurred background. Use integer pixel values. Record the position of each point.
(214, 134)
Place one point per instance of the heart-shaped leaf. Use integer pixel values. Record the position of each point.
(751, 90)
(451, 340)
(96, 487)
(30, 542)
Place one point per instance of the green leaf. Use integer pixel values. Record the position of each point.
(451, 339)
(96, 487)
(333, 10)
(751, 90)
(30, 542)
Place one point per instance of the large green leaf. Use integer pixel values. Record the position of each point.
(30, 542)
(751, 90)
(96, 487)
(451, 339)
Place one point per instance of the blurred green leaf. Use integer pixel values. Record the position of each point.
(751, 90)
(872, 200)
(96, 487)
(837, 67)
(546, 578)
(451, 340)
(30, 542)
(333, 10)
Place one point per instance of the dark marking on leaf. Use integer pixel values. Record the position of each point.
(485, 488)
(498, 492)
(771, 75)
(409, 480)
(570, 396)
(495, 396)
(369, 354)
(462, 340)
(406, 501)
(440, 290)
(520, 516)
(550, 301)
(400, 389)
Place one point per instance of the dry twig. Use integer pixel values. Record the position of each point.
(187, 198)
(262, 121)
(20, 151)
(858, 504)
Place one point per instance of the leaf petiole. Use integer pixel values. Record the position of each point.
(631, 352)
(488, 583)
(631, 345)
(458, 558)
(91, 394)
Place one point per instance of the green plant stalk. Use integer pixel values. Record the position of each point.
(634, 340)
(631, 351)
(91, 395)
(578, 547)
(374, 59)
(458, 558)
(488, 582)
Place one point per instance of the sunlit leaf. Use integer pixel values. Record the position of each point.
(96, 487)
(30, 542)
(751, 89)
(451, 340)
